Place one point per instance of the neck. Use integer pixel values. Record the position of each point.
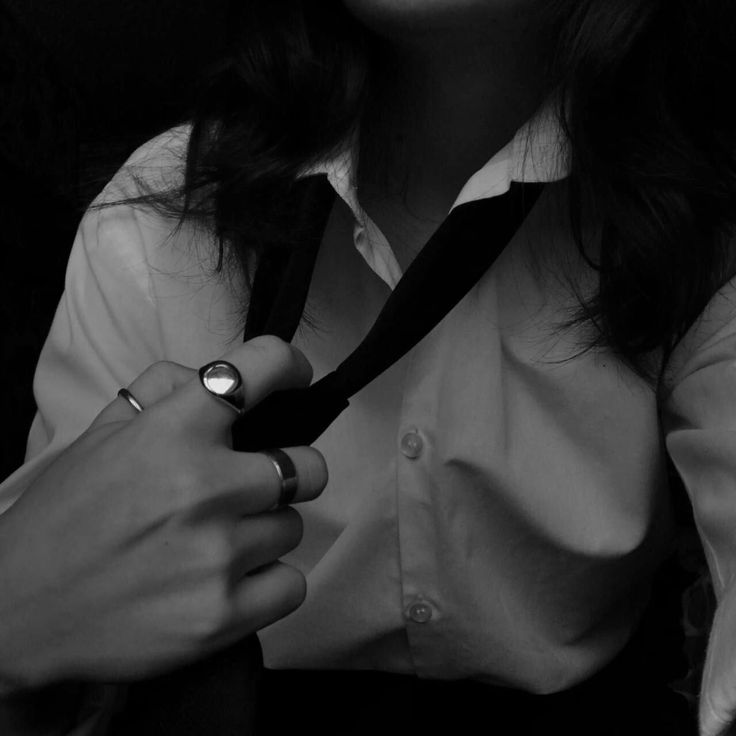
(463, 94)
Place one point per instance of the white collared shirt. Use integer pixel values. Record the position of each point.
(537, 153)
(496, 498)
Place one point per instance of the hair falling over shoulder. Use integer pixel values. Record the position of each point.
(643, 91)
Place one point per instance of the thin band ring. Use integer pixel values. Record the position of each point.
(125, 394)
(287, 475)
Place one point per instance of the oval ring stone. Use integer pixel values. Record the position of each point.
(221, 379)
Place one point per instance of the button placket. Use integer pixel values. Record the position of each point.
(420, 612)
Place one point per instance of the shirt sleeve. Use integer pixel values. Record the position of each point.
(107, 327)
(699, 419)
(136, 291)
(105, 332)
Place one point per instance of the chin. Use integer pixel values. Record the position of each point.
(408, 17)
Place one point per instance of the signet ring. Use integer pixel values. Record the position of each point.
(224, 382)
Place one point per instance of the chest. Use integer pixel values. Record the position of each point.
(501, 390)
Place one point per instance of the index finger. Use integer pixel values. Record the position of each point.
(265, 364)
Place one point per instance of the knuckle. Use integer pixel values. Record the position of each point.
(215, 551)
(189, 487)
(295, 592)
(283, 357)
(302, 364)
(269, 344)
(293, 526)
(211, 556)
(316, 473)
(157, 372)
(322, 473)
(213, 613)
(166, 374)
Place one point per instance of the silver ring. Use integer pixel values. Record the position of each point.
(224, 382)
(287, 475)
(125, 394)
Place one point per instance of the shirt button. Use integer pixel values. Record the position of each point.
(411, 445)
(419, 612)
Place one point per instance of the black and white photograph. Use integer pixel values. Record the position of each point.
(368, 368)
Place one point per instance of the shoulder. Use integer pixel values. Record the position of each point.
(157, 166)
(144, 279)
(709, 345)
(135, 220)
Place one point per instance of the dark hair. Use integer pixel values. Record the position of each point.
(645, 103)
(644, 89)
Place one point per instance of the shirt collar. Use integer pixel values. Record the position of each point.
(538, 152)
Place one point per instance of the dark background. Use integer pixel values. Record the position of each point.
(82, 84)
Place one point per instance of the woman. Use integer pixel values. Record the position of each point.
(497, 500)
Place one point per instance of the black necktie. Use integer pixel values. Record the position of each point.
(217, 696)
(450, 264)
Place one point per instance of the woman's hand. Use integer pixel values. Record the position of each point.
(149, 541)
